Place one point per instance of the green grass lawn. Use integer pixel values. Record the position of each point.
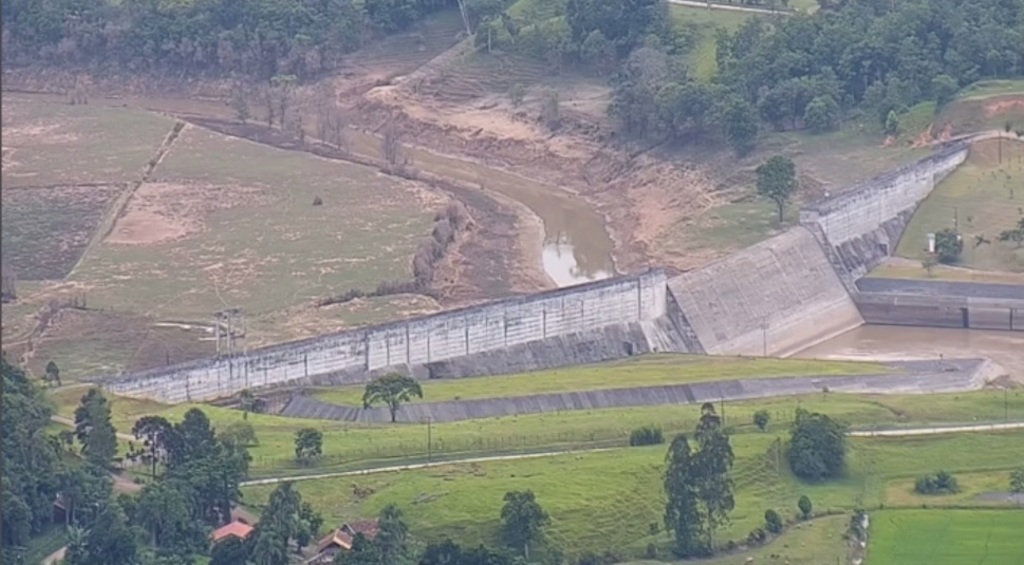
(649, 370)
(901, 491)
(56, 143)
(354, 445)
(608, 500)
(989, 88)
(948, 537)
(702, 58)
(241, 229)
(986, 197)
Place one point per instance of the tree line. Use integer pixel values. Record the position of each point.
(254, 38)
(872, 59)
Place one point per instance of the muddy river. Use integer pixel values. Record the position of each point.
(898, 342)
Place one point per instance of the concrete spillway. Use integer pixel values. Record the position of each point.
(783, 294)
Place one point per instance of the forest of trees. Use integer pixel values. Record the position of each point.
(871, 59)
(255, 38)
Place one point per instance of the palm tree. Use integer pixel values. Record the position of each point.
(77, 546)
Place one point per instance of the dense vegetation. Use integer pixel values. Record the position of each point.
(874, 58)
(253, 38)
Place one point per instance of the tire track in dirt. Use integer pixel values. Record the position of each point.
(119, 206)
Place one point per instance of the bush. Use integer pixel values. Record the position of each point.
(772, 521)
(804, 504)
(647, 435)
(651, 552)
(761, 419)
(939, 483)
(756, 536)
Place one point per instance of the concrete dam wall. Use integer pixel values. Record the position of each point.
(592, 322)
(774, 297)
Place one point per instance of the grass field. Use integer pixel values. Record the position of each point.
(704, 22)
(234, 223)
(986, 197)
(48, 143)
(950, 537)
(608, 500)
(354, 445)
(45, 230)
(650, 370)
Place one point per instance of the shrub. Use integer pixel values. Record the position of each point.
(317, 201)
(938, 483)
(761, 419)
(804, 504)
(772, 521)
(756, 536)
(647, 435)
(651, 552)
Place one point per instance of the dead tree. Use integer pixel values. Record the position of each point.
(391, 146)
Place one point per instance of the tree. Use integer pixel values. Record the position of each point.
(1015, 235)
(156, 433)
(109, 541)
(229, 551)
(817, 449)
(682, 516)
(309, 444)
(52, 374)
(446, 552)
(391, 536)
(711, 466)
(239, 104)
(310, 522)
(522, 520)
(821, 114)
(280, 93)
(391, 146)
(247, 400)
(804, 504)
(772, 521)
(1017, 484)
(937, 483)
(269, 547)
(363, 552)
(164, 510)
(94, 430)
(948, 246)
(550, 110)
(944, 88)
(929, 263)
(241, 433)
(740, 126)
(761, 419)
(892, 123)
(391, 389)
(776, 181)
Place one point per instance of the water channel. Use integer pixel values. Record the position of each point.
(882, 343)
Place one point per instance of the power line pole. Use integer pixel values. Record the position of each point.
(428, 440)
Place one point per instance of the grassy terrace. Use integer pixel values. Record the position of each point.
(607, 500)
(650, 370)
(352, 446)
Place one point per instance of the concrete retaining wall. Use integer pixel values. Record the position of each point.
(942, 312)
(864, 222)
(778, 296)
(483, 339)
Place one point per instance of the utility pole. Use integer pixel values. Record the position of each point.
(764, 337)
(1006, 407)
(428, 440)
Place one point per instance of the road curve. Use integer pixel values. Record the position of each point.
(393, 468)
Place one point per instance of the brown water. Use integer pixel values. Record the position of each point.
(883, 343)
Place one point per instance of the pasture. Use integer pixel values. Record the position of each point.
(224, 221)
(350, 445)
(610, 500)
(648, 370)
(49, 143)
(983, 197)
(947, 537)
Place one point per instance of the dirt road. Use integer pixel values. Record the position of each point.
(54, 557)
(714, 6)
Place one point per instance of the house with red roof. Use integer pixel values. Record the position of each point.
(341, 538)
(236, 528)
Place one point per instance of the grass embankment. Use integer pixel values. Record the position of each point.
(354, 445)
(648, 370)
(608, 500)
(952, 537)
(984, 196)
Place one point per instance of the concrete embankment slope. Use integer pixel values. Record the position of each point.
(588, 323)
(912, 377)
(778, 296)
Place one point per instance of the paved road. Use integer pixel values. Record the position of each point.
(890, 433)
(941, 288)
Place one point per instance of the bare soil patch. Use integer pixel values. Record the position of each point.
(160, 212)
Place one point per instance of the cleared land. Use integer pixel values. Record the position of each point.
(46, 229)
(949, 537)
(607, 500)
(649, 370)
(984, 196)
(46, 143)
(229, 222)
